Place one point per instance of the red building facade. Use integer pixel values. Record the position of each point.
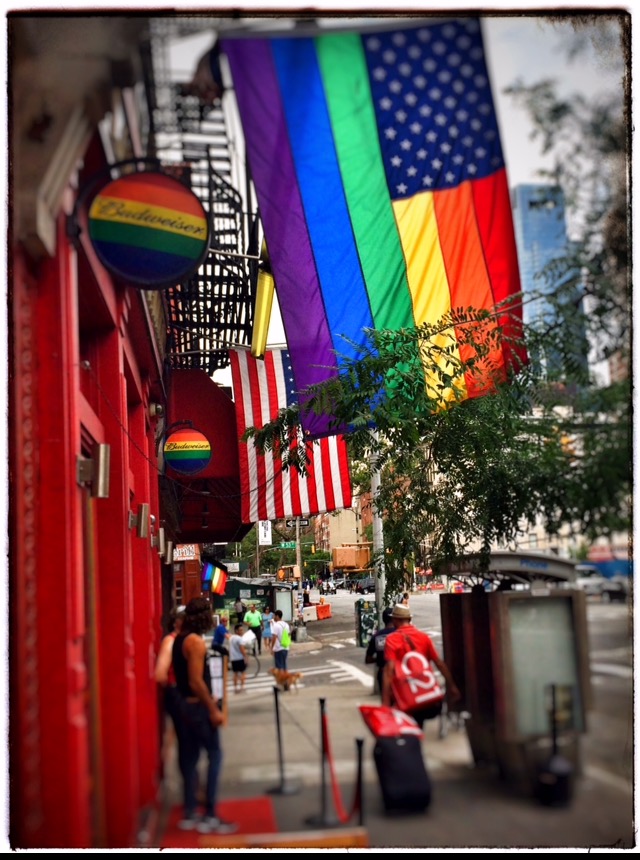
(92, 392)
(85, 365)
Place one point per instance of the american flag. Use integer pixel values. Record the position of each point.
(261, 388)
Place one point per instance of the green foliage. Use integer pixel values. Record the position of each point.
(273, 557)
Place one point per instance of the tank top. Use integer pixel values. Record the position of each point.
(171, 675)
(181, 668)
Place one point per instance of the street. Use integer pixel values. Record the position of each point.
(608, 742)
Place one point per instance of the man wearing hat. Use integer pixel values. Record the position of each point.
(404, 638)
(375, 648)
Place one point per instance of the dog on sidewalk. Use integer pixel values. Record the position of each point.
(286, 680)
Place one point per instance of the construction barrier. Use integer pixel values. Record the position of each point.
(323, 611)
(310, 613)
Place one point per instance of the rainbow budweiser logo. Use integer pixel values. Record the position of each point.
(149, 229)
(187, 451)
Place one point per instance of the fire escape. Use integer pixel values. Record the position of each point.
(214, 309)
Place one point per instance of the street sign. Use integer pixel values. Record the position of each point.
(303, 522)
(264, 533)
(287, 544)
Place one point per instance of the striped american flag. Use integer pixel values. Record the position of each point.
(261, 388)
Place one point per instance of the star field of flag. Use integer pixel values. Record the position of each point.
(434, 108)
(288, 379)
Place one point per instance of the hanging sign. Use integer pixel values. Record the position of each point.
(264, 533)
(149, 229)
(187, 451)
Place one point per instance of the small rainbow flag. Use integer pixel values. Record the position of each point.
(149, 228)
(214, 578)
(187, 451)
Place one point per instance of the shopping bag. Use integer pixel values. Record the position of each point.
(384, 722)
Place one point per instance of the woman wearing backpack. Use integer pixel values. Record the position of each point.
(281, 640)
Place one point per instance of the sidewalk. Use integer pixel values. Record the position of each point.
(471, 807)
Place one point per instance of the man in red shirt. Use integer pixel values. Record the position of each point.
(404, 638)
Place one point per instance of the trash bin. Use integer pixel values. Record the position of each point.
(366, 620)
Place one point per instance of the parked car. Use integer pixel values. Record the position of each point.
(593, 583)
(366, 585)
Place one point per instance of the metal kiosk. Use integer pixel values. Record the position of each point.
(518, 649)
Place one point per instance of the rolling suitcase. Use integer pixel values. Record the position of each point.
(403, 777)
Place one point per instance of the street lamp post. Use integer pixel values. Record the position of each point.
(378, 546)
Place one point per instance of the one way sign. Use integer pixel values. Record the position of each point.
(303, 522)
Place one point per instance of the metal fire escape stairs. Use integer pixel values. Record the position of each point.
(214, 309)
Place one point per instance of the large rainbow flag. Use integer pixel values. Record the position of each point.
(381, 184)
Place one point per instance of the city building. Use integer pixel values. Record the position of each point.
(543, 246)
(345, 527)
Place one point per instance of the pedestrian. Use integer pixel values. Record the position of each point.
(165, 677)
(405, 637)
(267, 635)
(405, 599)
(201, 718)
(238, 658)
(240, 609)
(375, 648)
(253, 620)
(221, 636)
(279, 629)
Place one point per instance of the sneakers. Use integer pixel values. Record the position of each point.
(212, 824)
(187, 824)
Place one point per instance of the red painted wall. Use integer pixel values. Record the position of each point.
(194, 397)
(85, 748)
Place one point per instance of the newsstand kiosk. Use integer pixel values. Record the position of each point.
(520, 659)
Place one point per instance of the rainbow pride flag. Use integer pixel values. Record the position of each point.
(214, 578)
(382, 188)
(149, 228)
(218, 581)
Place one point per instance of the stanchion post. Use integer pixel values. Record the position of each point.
(285, 786)
(324, 819)
(359, 782)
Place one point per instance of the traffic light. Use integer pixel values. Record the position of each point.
(313, 548)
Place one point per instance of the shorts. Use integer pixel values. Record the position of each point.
(429, 713)
(238, 666)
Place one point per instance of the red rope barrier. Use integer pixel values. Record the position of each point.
(342, 814)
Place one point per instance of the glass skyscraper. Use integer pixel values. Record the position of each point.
(543, 249)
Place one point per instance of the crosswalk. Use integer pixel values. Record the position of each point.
(331, 671)
(341, 672)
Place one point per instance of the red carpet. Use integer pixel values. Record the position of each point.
(253, 815)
